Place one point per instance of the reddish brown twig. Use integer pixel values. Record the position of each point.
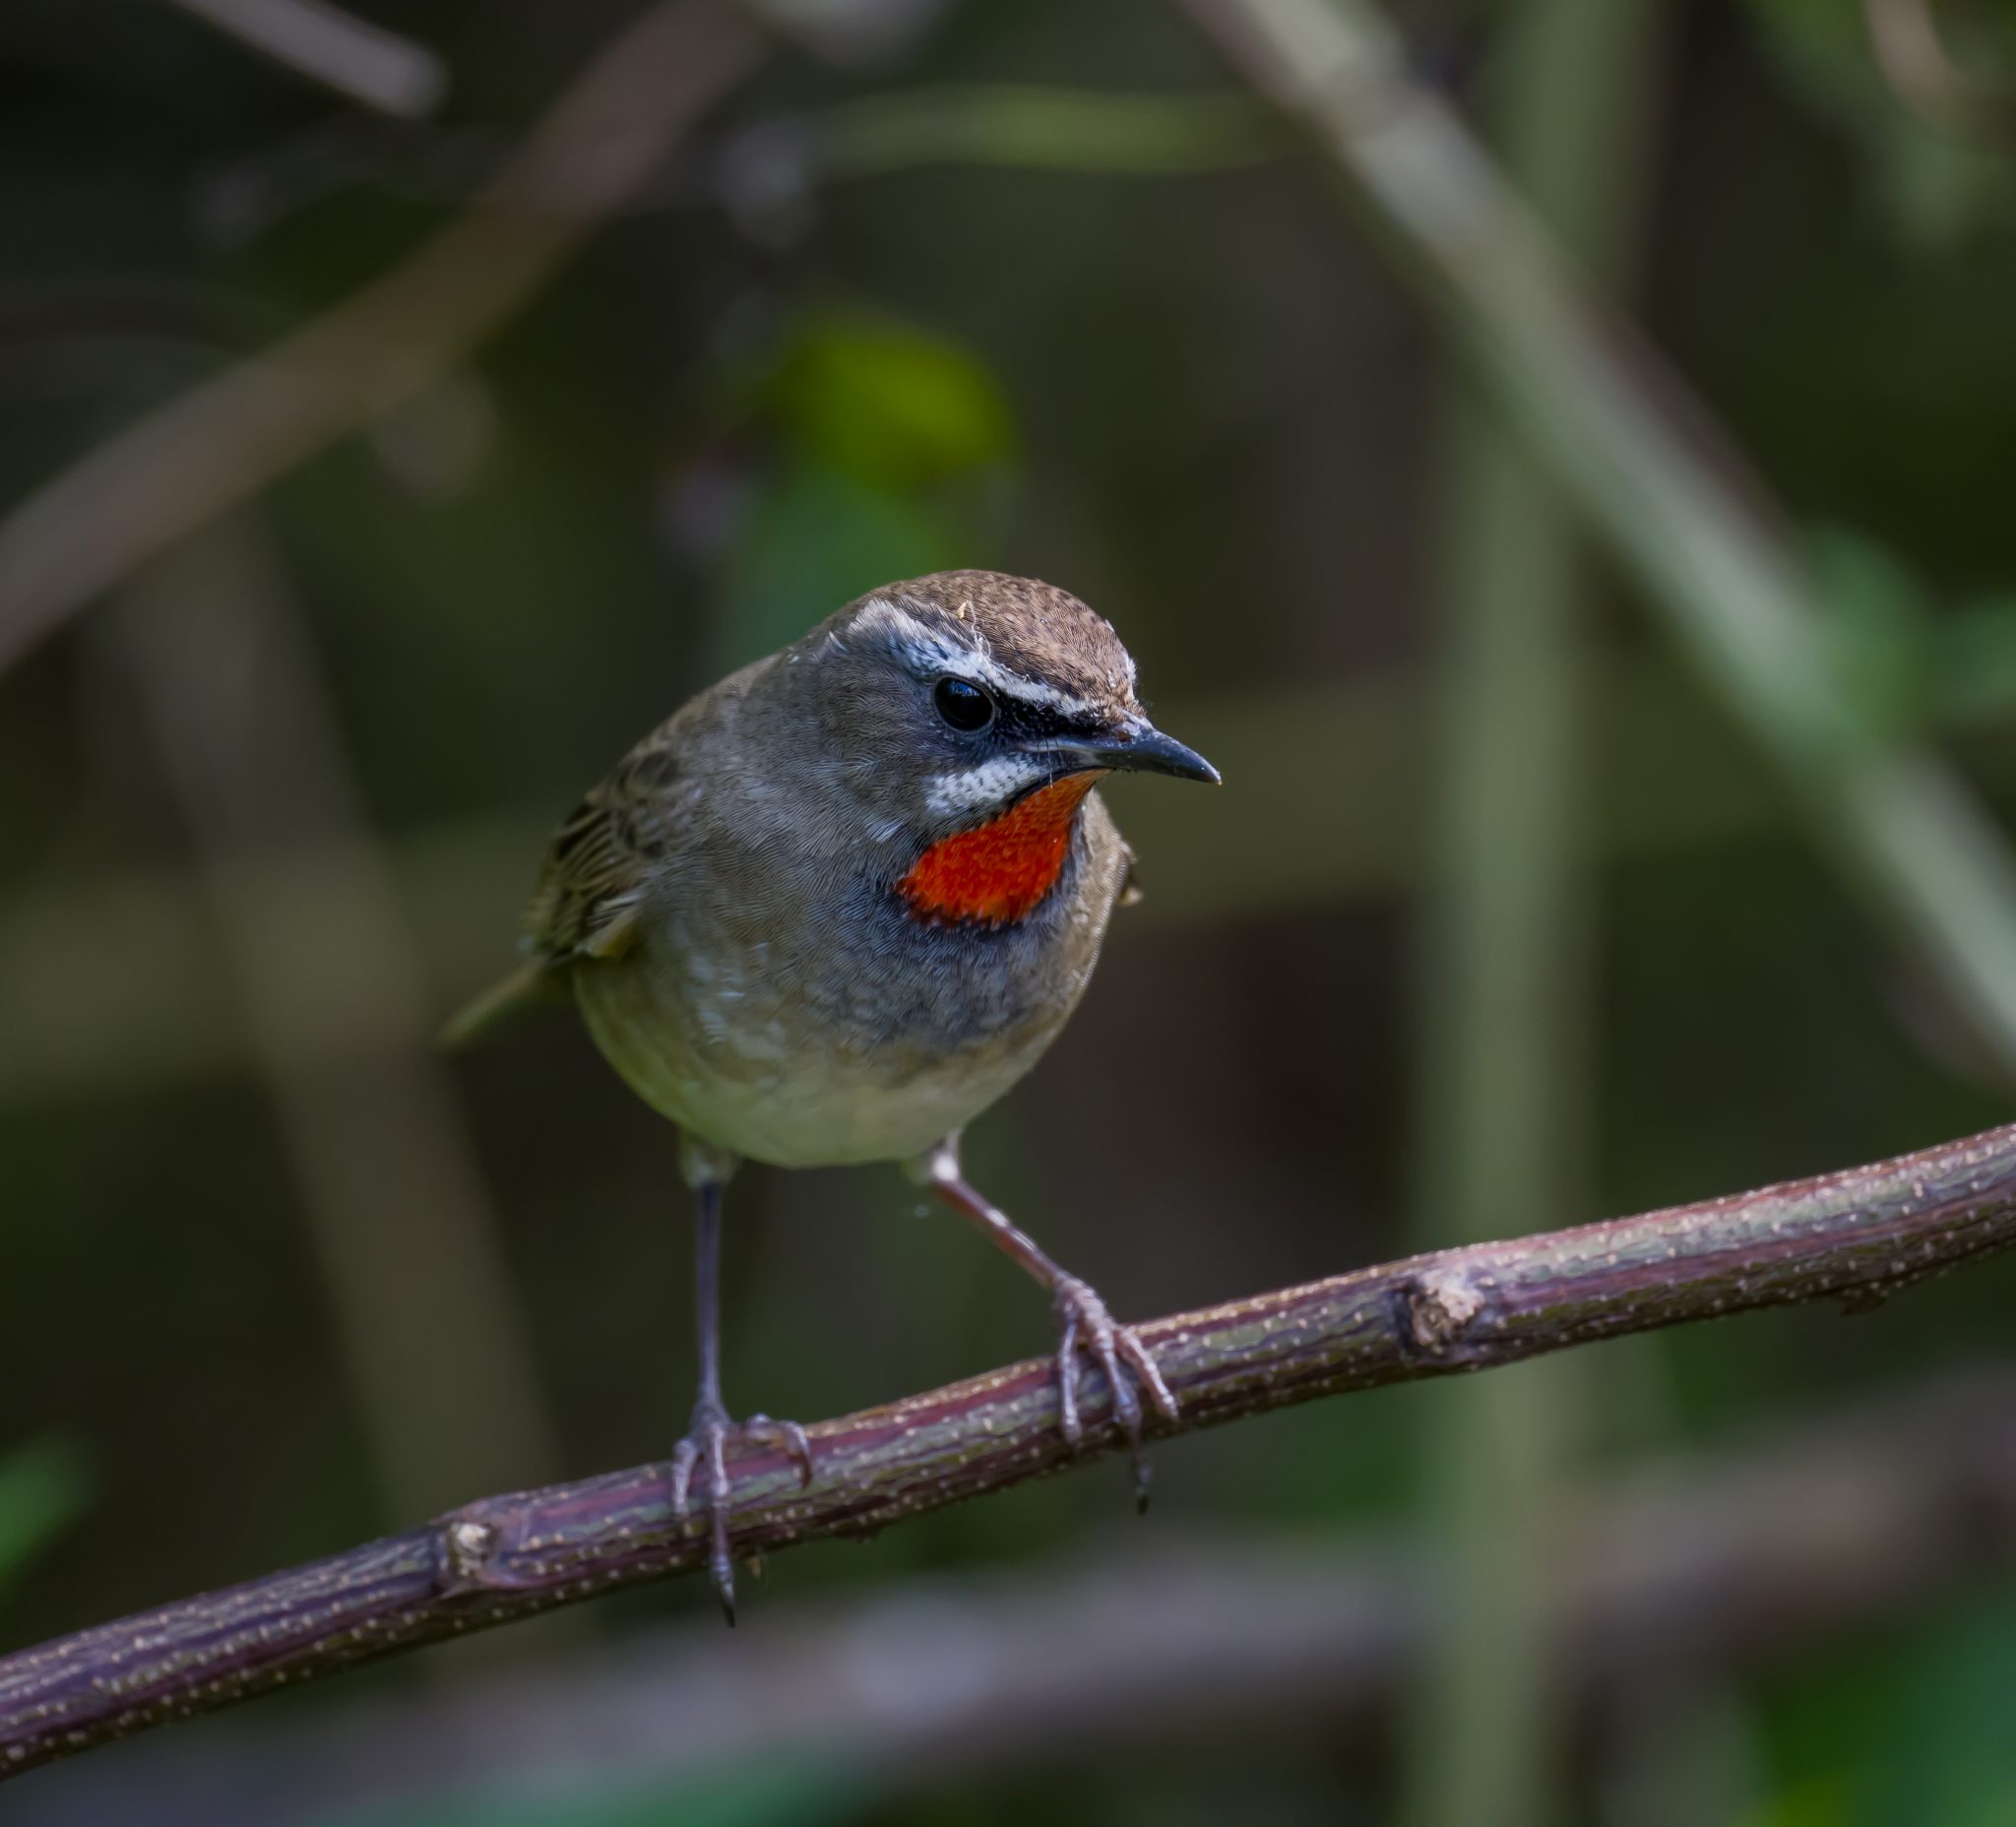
(1685, 1573)
(1856, 1235)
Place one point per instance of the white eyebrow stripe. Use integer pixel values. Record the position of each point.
(927, 650)
(973, 789)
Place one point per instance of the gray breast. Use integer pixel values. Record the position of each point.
(851, 1029)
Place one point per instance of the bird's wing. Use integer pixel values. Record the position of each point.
(601, 857)
(593, 882)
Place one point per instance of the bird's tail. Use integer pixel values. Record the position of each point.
(536, 984)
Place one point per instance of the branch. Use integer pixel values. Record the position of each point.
(1677, 1577)
(1857, 1235)
(159, 479)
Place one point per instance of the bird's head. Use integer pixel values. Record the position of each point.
(969, 714)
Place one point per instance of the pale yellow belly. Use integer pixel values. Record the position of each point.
(804, 1105)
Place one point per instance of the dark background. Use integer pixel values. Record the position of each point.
(1202, 398)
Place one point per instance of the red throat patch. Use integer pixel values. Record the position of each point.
(998, 874)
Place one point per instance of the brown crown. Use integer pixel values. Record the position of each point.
(1035, 628)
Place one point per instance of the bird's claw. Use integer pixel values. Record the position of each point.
(706, 1443)
(1128, 1364)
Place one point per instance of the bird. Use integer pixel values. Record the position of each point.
(835, 906)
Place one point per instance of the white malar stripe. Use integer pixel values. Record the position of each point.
(926, 651)
(983, 789)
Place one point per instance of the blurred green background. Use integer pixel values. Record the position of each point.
(1513, 911)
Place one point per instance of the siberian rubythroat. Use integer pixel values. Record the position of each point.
(838, 904)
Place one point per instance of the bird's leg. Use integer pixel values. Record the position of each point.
(1081, 1317)
(709, 1432)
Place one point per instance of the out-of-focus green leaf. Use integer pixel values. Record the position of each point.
(1941, 189)
(889, 404)
(1948, 1755)
(1911, 1727)
(1824, 47)
(1821, 1802)
(1979, 662)
(882, 448)
(1941, 186)
(799, 1790)
(816, 538)
(1047, 129)
(1882, 628)
(1905, 665)
(43, 1487)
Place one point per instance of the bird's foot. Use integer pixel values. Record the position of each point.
(1086, 1325)
(704, 1449)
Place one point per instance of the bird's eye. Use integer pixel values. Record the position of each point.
(964, 706)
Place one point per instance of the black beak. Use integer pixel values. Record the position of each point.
(1140, 748)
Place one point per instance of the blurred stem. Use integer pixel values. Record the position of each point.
(350, 55)
(1595, 406)
(397, 1210)
(1912, 54)
(141, 490)
(1503, 1090)
(45, 1484)
(1042, 129)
